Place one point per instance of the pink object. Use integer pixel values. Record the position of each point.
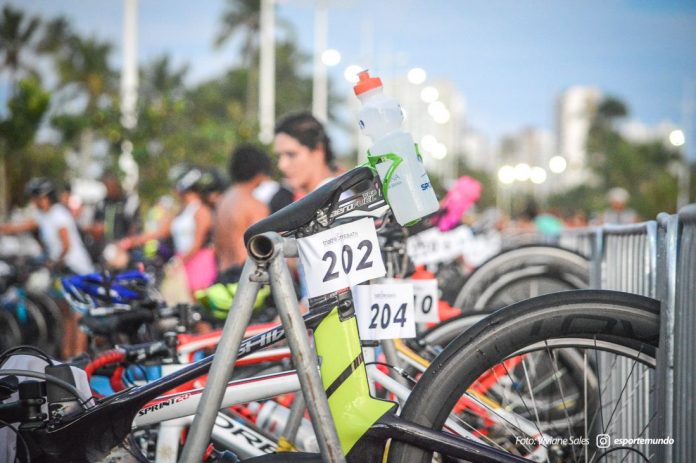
(465, 192)
(201, 270)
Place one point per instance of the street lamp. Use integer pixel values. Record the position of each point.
(537, 175)
(351, 73)
(522, 172)
(416, 76)
(506, 175)
(678, 139)
(557, 164)
(331, 57)
(429, 94)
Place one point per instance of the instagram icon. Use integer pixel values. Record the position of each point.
(603, 441)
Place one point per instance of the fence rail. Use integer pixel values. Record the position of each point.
(656, 259)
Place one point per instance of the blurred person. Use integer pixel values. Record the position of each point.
(190, 230)
(549, 223)
(304, 153)
(306, 160)
(275, 194)
(213, 184)
(56, 226)
(239, 209)
(524, 222)
(117, 215)
(578, 219)
(63, 246)
(71, 202)
(618, 213)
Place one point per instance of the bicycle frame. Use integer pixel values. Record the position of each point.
(342, 392)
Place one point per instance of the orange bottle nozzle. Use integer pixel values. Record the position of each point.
(366, 83)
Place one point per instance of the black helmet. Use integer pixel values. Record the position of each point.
(212, 181)
(190, 180)
(40, 186)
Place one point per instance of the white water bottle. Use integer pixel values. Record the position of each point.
(406, 184)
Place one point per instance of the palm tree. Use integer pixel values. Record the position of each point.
(243, 18)
(16, 35)
(84, 67)
(84, 72)
(159, 80)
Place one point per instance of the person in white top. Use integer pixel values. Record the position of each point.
(190, 231)
(64, 248)
(57, 229)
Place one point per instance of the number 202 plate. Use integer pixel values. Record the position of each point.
(341, 257)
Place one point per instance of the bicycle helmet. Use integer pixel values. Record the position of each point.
(95, 290)
(40, 186)
(190, 181)
(211, 181)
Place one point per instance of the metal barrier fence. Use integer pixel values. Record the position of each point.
(655, 259)
(580, 240)
(625, 259)
(677, 357)
(684, 400)
(668, 237)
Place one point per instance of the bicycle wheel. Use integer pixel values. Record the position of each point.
(31, 323)
(53, 319)
(10, 334)
(604, 341)
(522, 273)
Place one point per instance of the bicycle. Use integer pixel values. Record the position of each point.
(29, 317)
(363, 424)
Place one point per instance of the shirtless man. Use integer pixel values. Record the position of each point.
(238, 209)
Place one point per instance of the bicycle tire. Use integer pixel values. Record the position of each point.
(628, 322)
(32, 325)
(549, 267)
(54, 321)
(10, 333)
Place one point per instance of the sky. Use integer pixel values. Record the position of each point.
(509, 59)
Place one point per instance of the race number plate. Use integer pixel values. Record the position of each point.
(425, 297)
(385, 311)
(341, 257)
(433, 246)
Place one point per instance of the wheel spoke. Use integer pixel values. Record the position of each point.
(560, 389)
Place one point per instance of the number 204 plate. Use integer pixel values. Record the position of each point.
(385, 311)
(341, 257)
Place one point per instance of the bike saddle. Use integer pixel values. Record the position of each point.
(290, 457)
(302, 211)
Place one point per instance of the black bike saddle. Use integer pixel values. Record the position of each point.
(302, 211)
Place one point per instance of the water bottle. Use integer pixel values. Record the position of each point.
(393, 154)
(273, 417)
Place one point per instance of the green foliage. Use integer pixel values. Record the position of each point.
(26, 110)
(642, 169)
(16, 35)
(34, 160)
(177, 122)
(582, 198)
